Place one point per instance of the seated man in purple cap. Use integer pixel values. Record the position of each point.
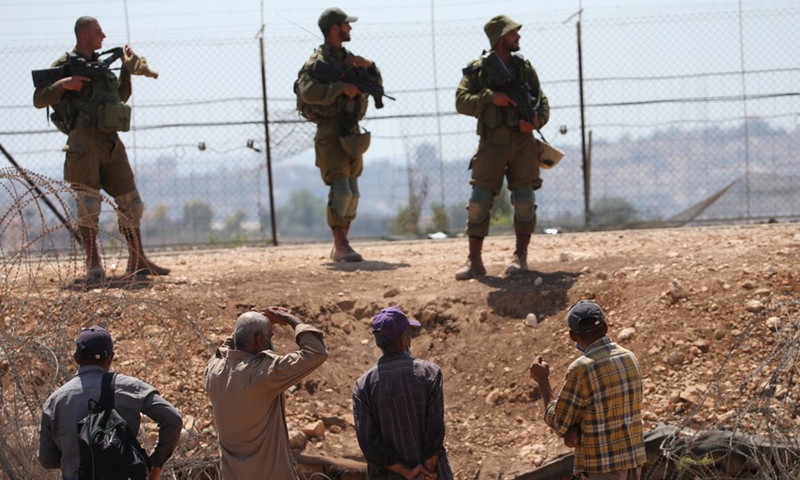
(398, 407)
(58, 433)
(599, 408)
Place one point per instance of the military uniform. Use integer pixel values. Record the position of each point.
(96, 157)
(337, 117)
(503, 151)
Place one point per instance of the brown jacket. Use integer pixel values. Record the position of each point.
(246, 392)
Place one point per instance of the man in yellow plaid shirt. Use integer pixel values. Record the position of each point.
(599, 408)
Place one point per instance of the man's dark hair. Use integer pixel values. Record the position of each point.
(83, 361)
(327, 30)
(390, 346)
(592, 335)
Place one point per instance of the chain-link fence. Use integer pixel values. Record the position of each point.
(689, 116)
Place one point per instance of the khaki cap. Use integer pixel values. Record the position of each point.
(499, 26)
(333, 16)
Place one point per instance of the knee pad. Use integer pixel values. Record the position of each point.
(353, 205)
(130, 207)
(89, 205)
(480, 205)
(524, 204)
(340, 196)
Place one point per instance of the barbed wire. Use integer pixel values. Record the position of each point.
(757, 435)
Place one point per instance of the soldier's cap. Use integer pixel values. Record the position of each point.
(585, 316)
(391, 322)
(94, 342)
(499, 26)
(333, 16)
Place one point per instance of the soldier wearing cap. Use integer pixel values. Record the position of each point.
(58, 432)
(599, 408)
(507, 147)
(398, 406)
(337, 107)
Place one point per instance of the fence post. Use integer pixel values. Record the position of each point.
(587, 214)
(266, 135)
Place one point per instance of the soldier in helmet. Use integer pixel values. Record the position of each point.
(91, 111)
(507, 147)
(336, 107)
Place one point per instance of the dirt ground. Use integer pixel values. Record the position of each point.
(690, 295)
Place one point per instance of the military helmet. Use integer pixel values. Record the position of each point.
(549, 156)
(355, 144)
(499, 26)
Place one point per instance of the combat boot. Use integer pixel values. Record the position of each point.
(342, 251)
(474, 265)
(519, 263)
(138, 263)
(94, 269)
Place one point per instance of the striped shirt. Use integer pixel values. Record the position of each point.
(398, 407)
(602, 393)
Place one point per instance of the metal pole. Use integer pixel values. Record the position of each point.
(586, 167)
(746, 116)
(266, 136)
(47, 202)
(438, 110)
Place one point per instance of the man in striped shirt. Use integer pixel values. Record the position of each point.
(599, 408)
(398, 407)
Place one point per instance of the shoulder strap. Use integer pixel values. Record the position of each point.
(107, 391)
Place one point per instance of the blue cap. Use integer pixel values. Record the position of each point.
(94, 342)
(585, 316)
(392, 322)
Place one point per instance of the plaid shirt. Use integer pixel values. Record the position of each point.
(602, 393)
(398, 406)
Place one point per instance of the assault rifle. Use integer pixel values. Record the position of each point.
(360, 77)
(76, 66)
(501, 80)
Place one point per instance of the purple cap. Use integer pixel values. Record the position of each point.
(94, 342)
(585, 316)
(392, 322)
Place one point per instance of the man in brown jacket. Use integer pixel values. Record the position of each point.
(245, 380)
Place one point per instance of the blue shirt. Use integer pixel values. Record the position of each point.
(398, 406)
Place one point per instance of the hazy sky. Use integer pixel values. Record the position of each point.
(45, 22)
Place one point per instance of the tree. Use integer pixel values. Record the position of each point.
(161, 224)
(197, 217)
(233, 224)
(407, 220)
(610, 212)
(303, 215)
(439, 222)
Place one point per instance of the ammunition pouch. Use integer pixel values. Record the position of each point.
(62, 124)
(114, 117)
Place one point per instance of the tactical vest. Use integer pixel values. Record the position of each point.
(492, 116)
(345, 110)
(97, 106)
